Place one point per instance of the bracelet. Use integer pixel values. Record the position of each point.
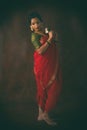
(48, 43)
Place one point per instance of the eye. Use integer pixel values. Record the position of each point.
(32, 23)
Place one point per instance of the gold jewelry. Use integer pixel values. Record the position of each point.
(31, 28)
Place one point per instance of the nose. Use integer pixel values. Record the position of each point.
(36, 25)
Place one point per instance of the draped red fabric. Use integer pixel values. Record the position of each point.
(46, 69)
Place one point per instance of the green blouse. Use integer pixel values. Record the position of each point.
(35, 39)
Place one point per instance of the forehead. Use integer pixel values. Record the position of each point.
(34, 20)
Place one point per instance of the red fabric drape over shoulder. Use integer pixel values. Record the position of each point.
(46, 68)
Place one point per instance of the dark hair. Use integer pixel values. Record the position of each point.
(34, 15)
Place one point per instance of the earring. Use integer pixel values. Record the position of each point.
(31, 28)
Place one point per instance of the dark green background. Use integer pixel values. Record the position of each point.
(18, 108)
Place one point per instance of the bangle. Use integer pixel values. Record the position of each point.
(48, 43)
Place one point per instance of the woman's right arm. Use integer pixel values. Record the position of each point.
(45, 46)
(41, 49)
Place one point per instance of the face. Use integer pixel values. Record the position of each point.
(36, 24)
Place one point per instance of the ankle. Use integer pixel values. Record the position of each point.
(45, 113)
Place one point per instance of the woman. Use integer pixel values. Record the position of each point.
(46, 68)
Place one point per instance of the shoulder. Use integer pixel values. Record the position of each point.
(35, 36)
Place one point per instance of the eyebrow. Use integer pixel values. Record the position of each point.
(35, 22)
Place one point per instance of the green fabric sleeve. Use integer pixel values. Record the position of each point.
(35, 39)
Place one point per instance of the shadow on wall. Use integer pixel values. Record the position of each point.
(18, 87)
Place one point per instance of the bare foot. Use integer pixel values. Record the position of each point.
(47, 119)
(40, 118)
(40, 115)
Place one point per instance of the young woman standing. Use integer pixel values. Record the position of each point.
(46, 68)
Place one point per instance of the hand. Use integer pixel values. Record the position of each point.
(51, 35)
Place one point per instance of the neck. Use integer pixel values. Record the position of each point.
(40, 32)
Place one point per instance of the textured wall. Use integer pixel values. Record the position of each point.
(17, 82)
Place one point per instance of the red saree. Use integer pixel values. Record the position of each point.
(48, 76)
